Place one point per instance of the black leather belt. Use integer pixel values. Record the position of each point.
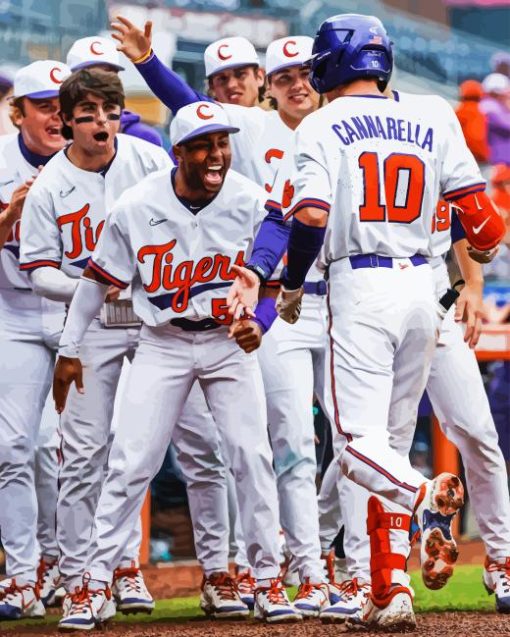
(195, 326)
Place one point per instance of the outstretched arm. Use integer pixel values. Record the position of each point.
(166, 85)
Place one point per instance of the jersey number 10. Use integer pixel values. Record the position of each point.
(403, 182)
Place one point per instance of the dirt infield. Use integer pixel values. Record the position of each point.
(429, 625)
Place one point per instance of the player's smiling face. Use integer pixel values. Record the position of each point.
(40, 125)
(237, 86)
(203, 163)
(95, 123)
(291, 89)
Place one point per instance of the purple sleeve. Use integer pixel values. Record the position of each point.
(457, 231)
(145, 132)
(270, 244)
(167, 86)
(305, 243)
(265, 313)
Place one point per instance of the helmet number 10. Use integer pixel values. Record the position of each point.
(403, 182)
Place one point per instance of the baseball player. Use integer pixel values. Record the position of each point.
(458, 397)
(98, 52)
(29, 331)
(289, 378)
(368, 182)
(64, 218)
(176, 238)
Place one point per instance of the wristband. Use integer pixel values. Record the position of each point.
(258, 271)
(265, 313)
(144, 57)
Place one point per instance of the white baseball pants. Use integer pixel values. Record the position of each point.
(29, 332)
(85, 429)
(383, 325)
(292, 360)
(167, 363)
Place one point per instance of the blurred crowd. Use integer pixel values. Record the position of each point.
(484, 115)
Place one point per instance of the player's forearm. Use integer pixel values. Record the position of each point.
(166, 85)
(86, 304)
(53, 284)
(270, 244)
(305, 242)
(472, 272)
(7, 221)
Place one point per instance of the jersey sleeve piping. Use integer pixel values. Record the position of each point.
(462, 192)
(105, 274)
(308, 203)
(40, 263)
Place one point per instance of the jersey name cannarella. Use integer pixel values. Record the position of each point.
(65, 211)
(378, 167)
(179, 263)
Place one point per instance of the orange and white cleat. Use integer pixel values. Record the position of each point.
(393, 613)
(438, 502)
(496, 579)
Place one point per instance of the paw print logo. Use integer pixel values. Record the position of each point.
(288, 194)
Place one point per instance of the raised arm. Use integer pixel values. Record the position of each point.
(166, 85)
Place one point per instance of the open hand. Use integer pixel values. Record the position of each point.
(470, 310)
(134, 42)
(67, 371)
(243, 294)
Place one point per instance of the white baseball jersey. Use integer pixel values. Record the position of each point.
(179, 262)
(14, 171)
(259, 147)
(440, 238)
(378, 167)
(65, 210)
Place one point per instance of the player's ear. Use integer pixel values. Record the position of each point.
(260, 74)
(177, 151)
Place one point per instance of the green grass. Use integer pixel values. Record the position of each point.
(464, 592)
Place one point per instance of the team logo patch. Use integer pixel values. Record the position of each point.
(201, 109)
(55, 71)
(94, 48)
(287, 52)
(221, 55)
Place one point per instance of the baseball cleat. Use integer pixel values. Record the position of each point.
(86, 610)
(496, 579)
(130, 592)
(311, 598)
(19, 601)
(246, 586)
(273, 606)
(347, 603)
(48, 581)
(393, 614)
(437, 504)
(220, 598)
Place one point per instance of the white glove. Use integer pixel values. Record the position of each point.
(288, 304)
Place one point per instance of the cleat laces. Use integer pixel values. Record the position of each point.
(504, 572)
(350, 588)
(275, 593)
(225, 585)
(131, 576)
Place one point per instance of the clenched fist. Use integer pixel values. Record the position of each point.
(247, 333)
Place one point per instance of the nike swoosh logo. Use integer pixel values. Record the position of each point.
(65, 193)
(154, 222)
(479, 228)
(6, 183)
